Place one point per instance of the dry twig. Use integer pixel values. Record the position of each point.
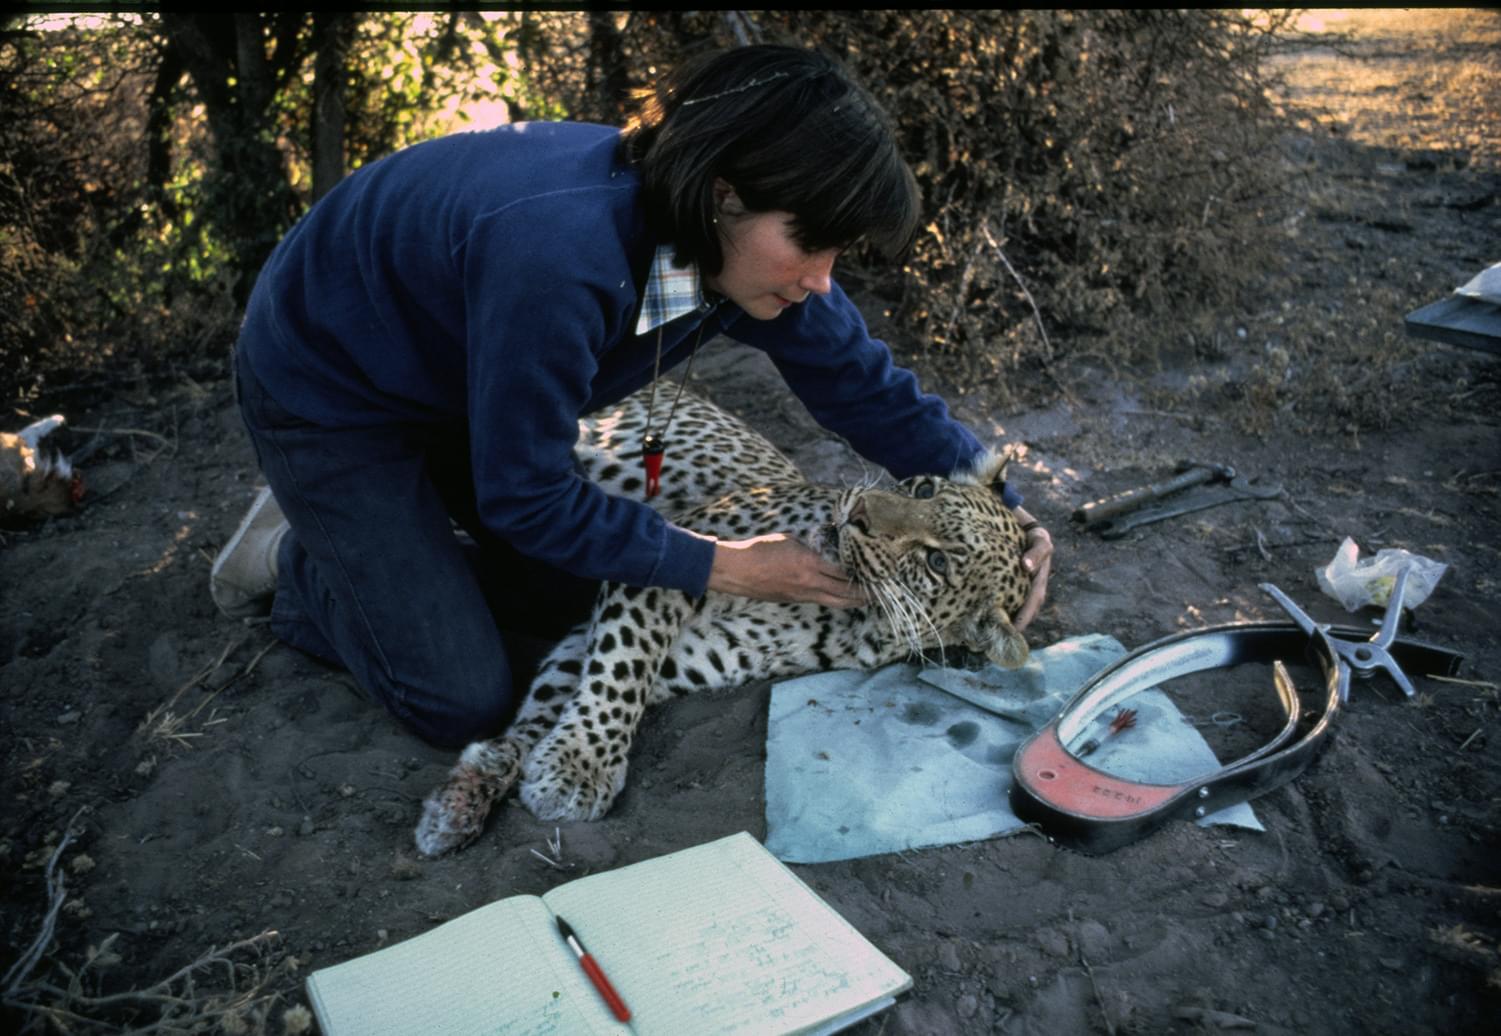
(1484, 685)
(1001, 255)
(57, 891)
(1099, 999)
(177, 1001)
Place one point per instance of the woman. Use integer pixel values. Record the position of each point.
(419, 348)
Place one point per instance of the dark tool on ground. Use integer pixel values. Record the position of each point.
(1189, 474)
(1238, 488)
(1114, 516)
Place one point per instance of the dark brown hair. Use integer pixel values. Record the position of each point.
(790, 131)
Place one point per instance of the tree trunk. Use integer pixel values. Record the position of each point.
(251, 201)
(609, 79)
(332, 35)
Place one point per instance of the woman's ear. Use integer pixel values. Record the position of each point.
(726, 201)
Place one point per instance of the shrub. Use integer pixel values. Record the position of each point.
(1109, 166)
(1081, 171)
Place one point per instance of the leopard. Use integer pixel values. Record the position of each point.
(939, 559)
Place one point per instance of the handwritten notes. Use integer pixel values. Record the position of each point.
(719, 938)
(738, 943)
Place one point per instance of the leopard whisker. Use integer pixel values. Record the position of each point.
(919, 612)
(905, 612)
(868, 479)
(882, 599)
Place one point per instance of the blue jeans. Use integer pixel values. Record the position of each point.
(373, 578)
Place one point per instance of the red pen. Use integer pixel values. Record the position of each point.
(595, 973)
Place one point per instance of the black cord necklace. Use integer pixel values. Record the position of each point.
(653, 445)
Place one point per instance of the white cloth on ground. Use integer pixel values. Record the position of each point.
(862, 763)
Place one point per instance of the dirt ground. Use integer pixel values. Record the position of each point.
(218, 786)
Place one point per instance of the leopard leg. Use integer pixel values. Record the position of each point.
(454, 814)
(579, 767)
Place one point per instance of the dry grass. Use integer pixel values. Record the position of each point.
(1420, 78)
(169, 722)
(230, 989)
(1391, 202)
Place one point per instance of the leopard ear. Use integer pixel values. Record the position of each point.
(998, 640)
(1008, 648)
(989, 469)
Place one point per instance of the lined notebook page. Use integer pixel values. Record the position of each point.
(723, 938)
(500, 970)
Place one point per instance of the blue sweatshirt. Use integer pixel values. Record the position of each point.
(490, 282)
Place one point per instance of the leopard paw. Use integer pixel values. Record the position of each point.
(562, 784)
(454, 814)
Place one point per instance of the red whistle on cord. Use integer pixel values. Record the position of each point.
(652, 449)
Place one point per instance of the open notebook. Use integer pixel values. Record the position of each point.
(719, 938)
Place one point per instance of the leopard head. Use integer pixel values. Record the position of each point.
(942, 558)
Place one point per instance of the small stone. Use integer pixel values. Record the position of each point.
(69, 717)
(1270, 922)
(297, 1020)
(1316, 909)
(1391, 963)
(967, 1006)
(164, 661)
(1094, 940)
(1216, 900)
(404, 868)
(275, 831)
(948, 957)
(1339, 903)
(1052, 942)
(306, 827)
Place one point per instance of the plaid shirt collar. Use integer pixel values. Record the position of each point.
(671, 292)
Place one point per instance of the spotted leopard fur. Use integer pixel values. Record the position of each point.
(939, 557)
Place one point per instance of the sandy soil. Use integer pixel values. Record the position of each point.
(220, 786)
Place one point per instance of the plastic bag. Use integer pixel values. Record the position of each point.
(1357, 583)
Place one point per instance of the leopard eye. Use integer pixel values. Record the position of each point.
(923, 490)
(938, 561)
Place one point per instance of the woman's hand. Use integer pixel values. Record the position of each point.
(1038, 561)
(777, 567)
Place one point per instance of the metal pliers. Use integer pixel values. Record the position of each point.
(1363, 657)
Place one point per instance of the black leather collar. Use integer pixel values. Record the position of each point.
(1096, 812)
